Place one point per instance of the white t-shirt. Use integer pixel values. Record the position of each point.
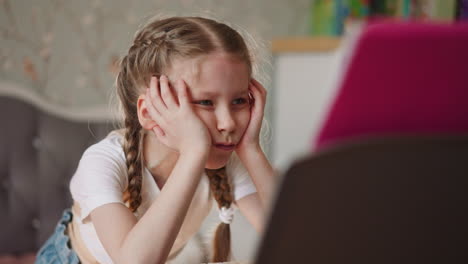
(101, 178)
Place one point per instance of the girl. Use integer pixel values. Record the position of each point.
(193, 115)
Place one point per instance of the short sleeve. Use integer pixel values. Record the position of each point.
(242, 183)
(99, 179)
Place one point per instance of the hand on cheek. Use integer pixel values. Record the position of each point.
(251, 137)
(178, 127)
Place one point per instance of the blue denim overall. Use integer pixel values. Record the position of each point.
(57, 249)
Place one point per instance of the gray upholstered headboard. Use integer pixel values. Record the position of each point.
(39, 152)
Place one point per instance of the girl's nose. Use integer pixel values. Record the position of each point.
(225, 121)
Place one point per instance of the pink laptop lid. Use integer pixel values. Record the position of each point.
(403, 78)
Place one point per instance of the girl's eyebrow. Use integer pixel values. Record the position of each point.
(212, 94)
(205, 93)
(244, 92)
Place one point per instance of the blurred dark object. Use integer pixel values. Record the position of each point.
(390, 200)
(39, 153)
(462, 10)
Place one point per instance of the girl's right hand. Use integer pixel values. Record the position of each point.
(178, 127)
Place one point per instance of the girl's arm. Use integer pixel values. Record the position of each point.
(255, 206)
(176, 125)
(261, 172)
(151, 238)
(251, 207)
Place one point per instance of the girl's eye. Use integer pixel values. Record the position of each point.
(205, 102)
(240, 101)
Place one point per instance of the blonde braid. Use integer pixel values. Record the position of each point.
(221, 190)
(134, 160)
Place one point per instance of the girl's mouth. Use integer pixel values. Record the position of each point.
(227, 147)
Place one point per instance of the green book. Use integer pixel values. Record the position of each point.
(323, 17)
(358, 8)
(445, 10)
(327, 17)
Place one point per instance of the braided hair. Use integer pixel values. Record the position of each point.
(222, 192)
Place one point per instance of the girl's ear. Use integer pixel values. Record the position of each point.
(143, 116)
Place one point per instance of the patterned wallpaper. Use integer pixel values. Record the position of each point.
(66, 51)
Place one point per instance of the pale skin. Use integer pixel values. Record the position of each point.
(185, 115)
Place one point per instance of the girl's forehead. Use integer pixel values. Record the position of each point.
(211, 72)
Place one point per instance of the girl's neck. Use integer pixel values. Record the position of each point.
(159, 159)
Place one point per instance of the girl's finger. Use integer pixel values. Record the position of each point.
(158, 131)
(182, 93)
(255, 91)
(259, 86)
(251, 95)
(251, 98)
(155, 96)
(258, 97)
(149, 104)
(166, 93)
(154, 113)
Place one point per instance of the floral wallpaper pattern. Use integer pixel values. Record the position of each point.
(67, 51)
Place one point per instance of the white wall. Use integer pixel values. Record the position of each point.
(305, 85)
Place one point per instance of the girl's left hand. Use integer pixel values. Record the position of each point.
(251, 137)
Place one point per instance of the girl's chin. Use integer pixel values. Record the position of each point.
(217, 163)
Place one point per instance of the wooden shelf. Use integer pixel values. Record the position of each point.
(305, 44)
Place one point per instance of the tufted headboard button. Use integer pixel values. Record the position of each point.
(36, 223)
(37, 143)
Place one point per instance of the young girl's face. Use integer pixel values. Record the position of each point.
(218, 85)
